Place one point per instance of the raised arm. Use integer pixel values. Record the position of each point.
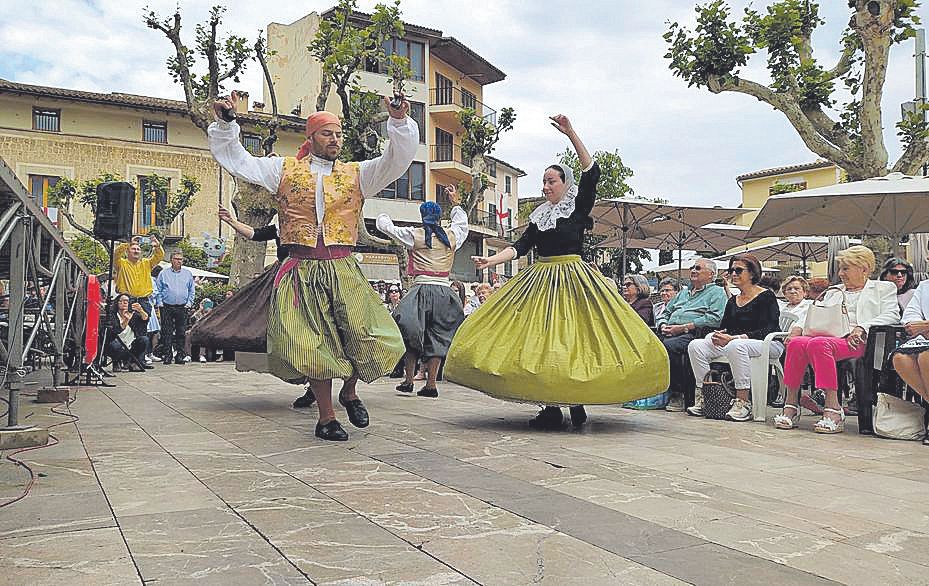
(563, 125)
(458, 216)
(232, 156)
(401, 234)
(403, 135)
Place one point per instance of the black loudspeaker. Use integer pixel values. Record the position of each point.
(115, 208)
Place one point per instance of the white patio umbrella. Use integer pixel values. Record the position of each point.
(919, 244)
(883, 206)
(804, 249)
(626, 220)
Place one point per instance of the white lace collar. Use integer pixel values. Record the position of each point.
(546, 215)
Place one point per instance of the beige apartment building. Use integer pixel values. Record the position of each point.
(48, 133)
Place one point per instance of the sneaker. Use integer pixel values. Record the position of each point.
(676, 404)
(187, 359)
(697, 409)
(148, 360)
(203, 359)
(156, 358)
(740, 411)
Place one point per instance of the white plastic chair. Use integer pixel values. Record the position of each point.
(760, 367)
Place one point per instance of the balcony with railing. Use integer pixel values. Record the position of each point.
(446, 102)
(450, 159)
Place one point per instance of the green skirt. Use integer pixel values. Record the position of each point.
(558, 334)
(327, 322)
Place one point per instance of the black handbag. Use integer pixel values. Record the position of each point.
(718, 394)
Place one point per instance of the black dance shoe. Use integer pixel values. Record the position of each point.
(357, 413)
(305, 401)
(332, 432)
(548, 418)
(578, 415)
(426, 392)
(405, 387)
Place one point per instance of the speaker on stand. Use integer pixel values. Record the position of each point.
(113, 221)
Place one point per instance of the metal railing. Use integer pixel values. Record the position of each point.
(449, 153)
(454, 96)
(46, 280)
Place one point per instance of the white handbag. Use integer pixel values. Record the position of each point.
(828, 315)
(895, 418)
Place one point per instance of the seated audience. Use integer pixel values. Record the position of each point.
(689, 315)
(900, 273)
(748, 318)
(869, 303)
(127, 341)
(636, 292)
(793, 310)
(667, 289)
(910, 360)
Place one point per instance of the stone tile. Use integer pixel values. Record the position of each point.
(205, 544)
(714, 565)
(42, 515)
(537, 555)
(91, 557)
(898, 543)
(53, 476)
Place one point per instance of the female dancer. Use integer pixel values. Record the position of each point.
(557, 333)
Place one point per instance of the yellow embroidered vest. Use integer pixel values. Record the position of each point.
(438, 259)
(296, 200)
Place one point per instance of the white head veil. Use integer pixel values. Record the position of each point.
(546, 215)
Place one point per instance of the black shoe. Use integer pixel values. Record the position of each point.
(405, 387)
(578, 415)
(548, 418)
(332, 432)
(305, 401)
(426, 392)
(357, 413)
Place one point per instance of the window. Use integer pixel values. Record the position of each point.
(491, 167)
(508, 184)
(492, 215)
(412, 50)
(411, 185)
(155, 131)
(444, 145)
(418, 113)
(150, 203)
(252, 143)
(39, 186)
(443, 90)
(468, 100)
(46, 120)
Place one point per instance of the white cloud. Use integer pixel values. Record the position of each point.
(600, 62)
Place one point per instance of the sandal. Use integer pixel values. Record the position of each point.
(830, 425)
(783, 422)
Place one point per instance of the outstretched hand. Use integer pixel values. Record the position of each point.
(399, 113)
(451, 192)
(480, 262)
(224, 215)
(562, 124)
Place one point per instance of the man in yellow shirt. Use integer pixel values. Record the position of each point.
(134, 273)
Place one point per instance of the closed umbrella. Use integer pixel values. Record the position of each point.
(919, 245)
(836, 245)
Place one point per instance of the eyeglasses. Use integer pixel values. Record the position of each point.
(393, 290)
(737, 270)
(896, 272)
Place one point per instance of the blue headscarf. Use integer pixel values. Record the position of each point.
(431, 212)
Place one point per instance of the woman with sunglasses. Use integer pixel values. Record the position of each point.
(393, 297)
(900, 273)
(749, 317)
(557, 333)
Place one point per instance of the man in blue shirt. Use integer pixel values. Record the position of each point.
(693, 312)
(176, 290)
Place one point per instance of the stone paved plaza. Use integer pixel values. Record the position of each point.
(201, 473)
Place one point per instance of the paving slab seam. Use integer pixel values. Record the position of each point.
(226, 503)
(347, 507)
(106, 497)
(644, 559)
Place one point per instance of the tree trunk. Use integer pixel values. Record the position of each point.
(253, 206)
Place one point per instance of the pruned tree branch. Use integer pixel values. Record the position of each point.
(179, 65)
(874, 32)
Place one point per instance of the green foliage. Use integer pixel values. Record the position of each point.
(361, 140)
(94, 255)
(215, 291)
(225, 266)
(194, 256)
(225, 57)
(716, 48)
(480, 134)
(779, 188)
(913, 128)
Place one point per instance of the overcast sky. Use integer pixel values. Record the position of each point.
(600, 62)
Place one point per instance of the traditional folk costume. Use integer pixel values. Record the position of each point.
(558, 333)
(431, 312)
(324, 321)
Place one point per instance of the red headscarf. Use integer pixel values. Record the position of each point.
(314, 122)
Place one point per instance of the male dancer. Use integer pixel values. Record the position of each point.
(431, 312)
(324, 321)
